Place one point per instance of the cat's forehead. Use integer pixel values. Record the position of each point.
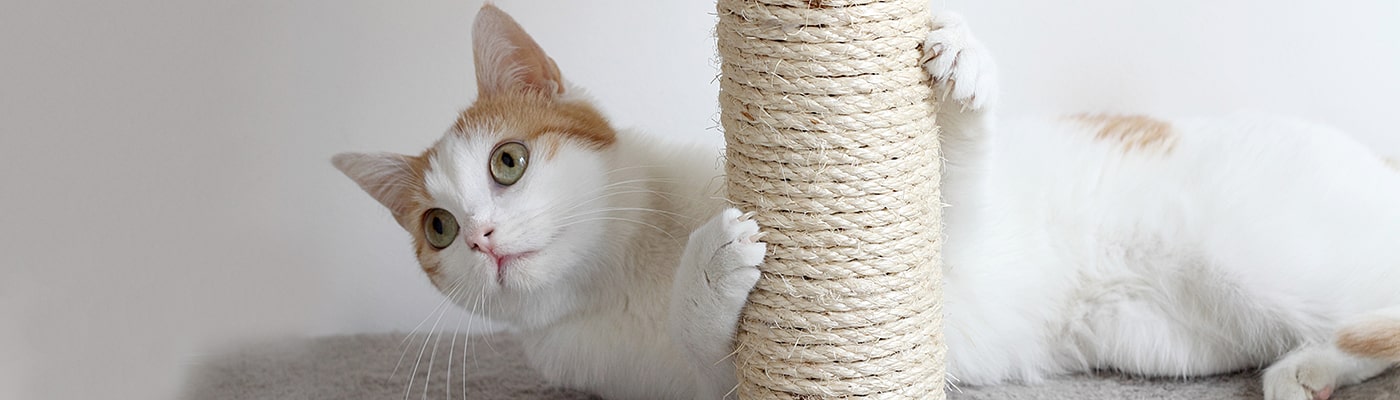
(527, 117)
(457, 176)
(457, 152)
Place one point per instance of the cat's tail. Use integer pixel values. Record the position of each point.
(1374, 335)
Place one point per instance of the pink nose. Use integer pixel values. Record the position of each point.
(480, 239)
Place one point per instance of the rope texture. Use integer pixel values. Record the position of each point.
(828, 116)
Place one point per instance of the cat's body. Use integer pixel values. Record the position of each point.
(1220, 247)
(1180, 248)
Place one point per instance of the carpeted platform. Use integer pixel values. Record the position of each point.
(363, 367)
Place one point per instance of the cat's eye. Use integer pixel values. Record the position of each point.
(439, 227)
(508, 162)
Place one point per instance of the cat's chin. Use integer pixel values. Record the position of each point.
(527, 273)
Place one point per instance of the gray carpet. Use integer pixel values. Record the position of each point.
(362, 367)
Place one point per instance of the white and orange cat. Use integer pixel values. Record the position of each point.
(1169, 248)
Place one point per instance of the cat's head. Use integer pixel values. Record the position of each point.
(505, 204)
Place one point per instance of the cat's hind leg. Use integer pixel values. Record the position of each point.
(1115, 327)
(1364, 347)
(1314, 371)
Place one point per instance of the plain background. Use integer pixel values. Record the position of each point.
(165, 186)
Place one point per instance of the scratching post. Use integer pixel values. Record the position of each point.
(829, 121)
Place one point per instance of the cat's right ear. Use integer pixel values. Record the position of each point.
(508, 59)
(392, 179)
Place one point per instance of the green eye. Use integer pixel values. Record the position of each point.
(508, 162)
(439, 227)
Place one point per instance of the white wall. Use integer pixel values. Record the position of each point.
(164, 183)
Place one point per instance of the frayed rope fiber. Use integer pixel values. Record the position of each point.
(829, 122)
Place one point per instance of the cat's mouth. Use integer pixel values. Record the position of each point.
(507, 261)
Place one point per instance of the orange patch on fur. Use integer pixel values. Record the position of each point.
(1133, 132)
(460, 125)
(548, 145)
(529, 116)
(415, 201)
(1378, 338)
(1390, 162)
(424, 260)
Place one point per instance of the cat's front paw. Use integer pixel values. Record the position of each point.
(717, 271)
(960, 66)
(728, 252)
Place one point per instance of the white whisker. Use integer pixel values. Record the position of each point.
(403, 352)
(668, 214)
(451, 350)
(610, 195)
(658, 229)
(428, 379)
(630, 167)
(605, 188)
(414, 374)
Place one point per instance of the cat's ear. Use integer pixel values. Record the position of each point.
(390, 178)
(508, 60)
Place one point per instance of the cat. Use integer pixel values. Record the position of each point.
(1095, 241)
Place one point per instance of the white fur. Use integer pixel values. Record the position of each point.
(1250, 242)
(1247, 245)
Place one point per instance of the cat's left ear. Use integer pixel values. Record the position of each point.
(508, 60)
(390, 178)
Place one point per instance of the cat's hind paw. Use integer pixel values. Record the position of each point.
(1300, 377)
(961, 68)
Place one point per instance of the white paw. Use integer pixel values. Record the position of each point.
(958, 63)
(1300, 377)
(729, 252)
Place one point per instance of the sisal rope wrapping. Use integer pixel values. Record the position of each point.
(829, 121)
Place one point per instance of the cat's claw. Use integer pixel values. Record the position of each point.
(757, 236)
(732, 241)
(961, 68)
(748, 215)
